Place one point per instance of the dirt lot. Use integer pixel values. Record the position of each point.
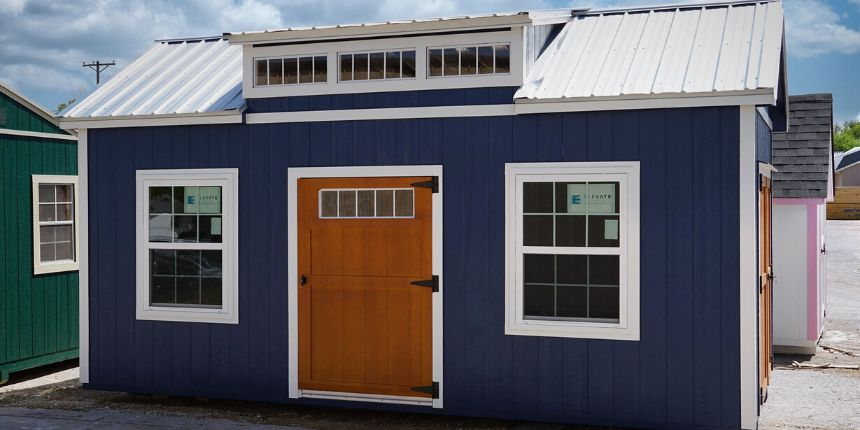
(122, 410)
(827, 398)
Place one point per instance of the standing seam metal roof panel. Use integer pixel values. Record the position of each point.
(684, 50)
(172, 77)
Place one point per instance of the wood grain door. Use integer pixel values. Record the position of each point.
(364, 327)
(766, 285)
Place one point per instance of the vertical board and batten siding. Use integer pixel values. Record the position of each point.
(38, 314)
(15, 117)
(684, 372)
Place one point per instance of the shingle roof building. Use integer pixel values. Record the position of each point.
(803, 155)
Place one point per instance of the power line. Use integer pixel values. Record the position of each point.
(99, 67)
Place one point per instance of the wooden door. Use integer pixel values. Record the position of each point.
(766, 285)
(364, 327)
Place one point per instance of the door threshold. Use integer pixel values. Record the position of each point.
(361, 397)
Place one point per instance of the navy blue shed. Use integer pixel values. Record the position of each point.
(553, 216)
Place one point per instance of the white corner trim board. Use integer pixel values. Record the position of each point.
(748, 282)
(39, 134)
(83, 261)
(293, 176)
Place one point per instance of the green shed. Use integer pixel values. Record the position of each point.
(38, 237)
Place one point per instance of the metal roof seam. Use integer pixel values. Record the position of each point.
(582, 54)
(662, 53)
(692, 49)
(761, 53)
(720, 52)
(623, 82)
(592, 87)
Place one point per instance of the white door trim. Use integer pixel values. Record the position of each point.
(293, 175)
(83, 260)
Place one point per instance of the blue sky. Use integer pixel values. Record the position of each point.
(44, 42)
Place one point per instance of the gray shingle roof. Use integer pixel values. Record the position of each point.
(802, 155)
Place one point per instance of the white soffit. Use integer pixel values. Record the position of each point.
(688, 49)
(191, 76)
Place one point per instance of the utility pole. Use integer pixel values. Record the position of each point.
(99, 66)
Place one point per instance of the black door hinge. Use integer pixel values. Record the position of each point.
(431, 283)
(433, 184)
(432, 390)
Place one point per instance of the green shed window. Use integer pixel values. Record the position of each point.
(55, 224)
(186, 268)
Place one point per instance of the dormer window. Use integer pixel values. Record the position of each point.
(368, 66)
(306, 69)
(469, 60)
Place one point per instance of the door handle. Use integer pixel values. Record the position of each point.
(303, 280)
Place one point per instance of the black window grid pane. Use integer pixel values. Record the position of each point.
(175, 213)
(556, 211)
(166, 281)
(588, 285)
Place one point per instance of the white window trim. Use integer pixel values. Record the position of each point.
(627, 173)
(384, 78)
(39, 267)
(289, 57)
(228, 179)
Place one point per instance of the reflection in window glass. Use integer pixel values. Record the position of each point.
(451, 62)
(320, 68)
(291, 70)
(503, 58)
(384, 203)
(377, 65)
(571, 286)
(469, 60)
(360, 65)
(262, 75)
(55, 222)
(408, 64)
(485, 60)
(328, 204)
(434, 62)
(346, 67)
(403, 203)
(367, 203)
(392, 65)
(188, 278)
(276, 71)
(185, 214)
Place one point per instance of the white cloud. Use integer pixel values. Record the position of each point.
(12, 7)
(813, 29)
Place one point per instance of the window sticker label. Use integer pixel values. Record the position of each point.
(593, 199)
(204, 200)
(610, 229)
(216, 226)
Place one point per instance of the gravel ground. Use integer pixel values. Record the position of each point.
(825, 398)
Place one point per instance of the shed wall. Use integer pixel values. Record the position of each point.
(683, 372)
(38, 314)
(14, 116)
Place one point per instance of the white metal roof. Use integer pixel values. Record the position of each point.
(692, 49)
(192, 76)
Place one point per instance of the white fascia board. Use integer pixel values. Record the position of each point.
(306, 35)
(645, 102)
(232, 117)
(25, 133)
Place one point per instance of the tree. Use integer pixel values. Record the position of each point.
(846, 136)
(62, 106)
